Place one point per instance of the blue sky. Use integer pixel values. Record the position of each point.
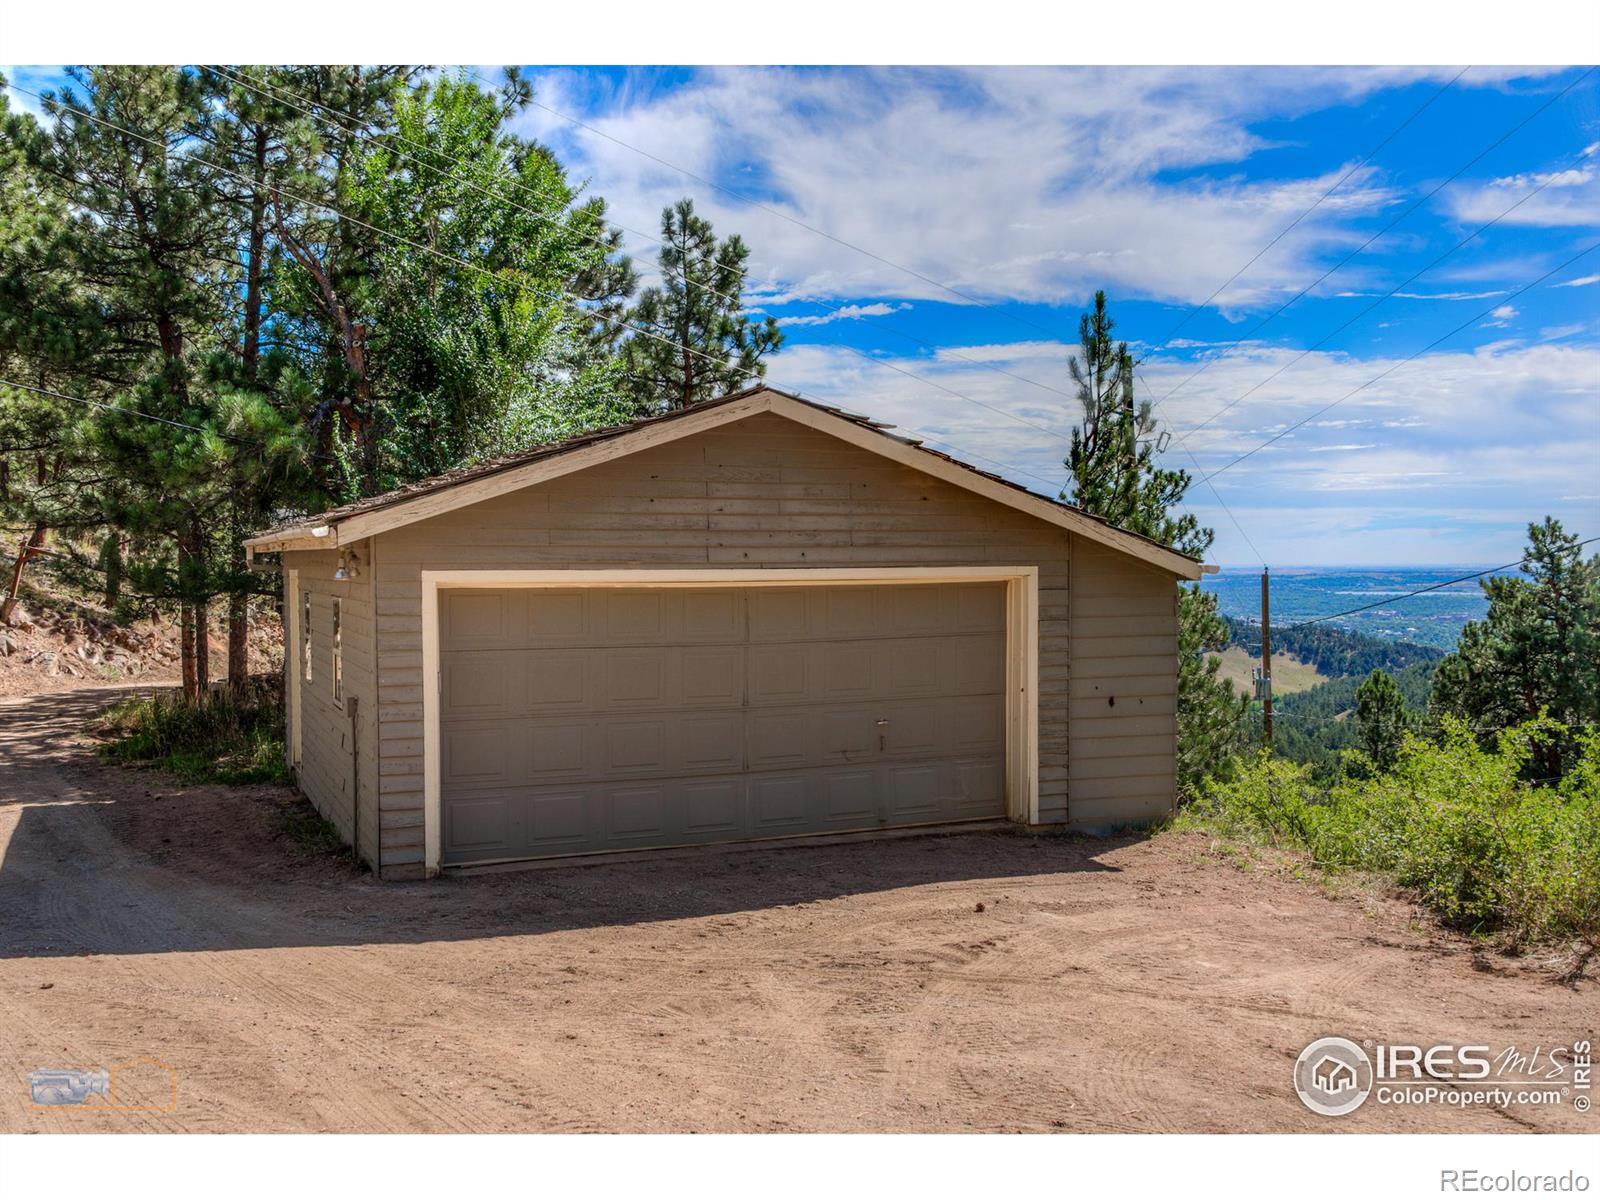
(1027, 188)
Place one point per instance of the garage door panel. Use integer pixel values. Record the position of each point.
(779, 614)
(558, 748)
(478, 754)
(477, 826)
(780, 738)
(977, 666)
(913, 729)
(470, 619)
(779, 674)
(633, 678)
(849, 612)
(636, 746)
(710, 744)
(556, 680)
(915, 792)
(638, 813)
(847, 735)
(713, 808)
(779, 803)
(554, 821)
(716, 615)
(712, 675)
(907, 667)
(979, 787)
(980, 608)
(584, 720)
(478, 683)
(850, 796)
(845, 672)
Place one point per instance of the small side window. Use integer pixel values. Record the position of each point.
(338, 653)
(305, 637)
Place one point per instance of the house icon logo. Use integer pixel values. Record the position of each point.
(1333, 1076)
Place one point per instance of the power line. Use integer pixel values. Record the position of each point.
(130, 412)
(277, 91)
(435, 252)
(1408, 358)
(1326, 338)
(917, 274)
(1432, 587)
(1418, 203)
(1394, 133)
(1182, 441)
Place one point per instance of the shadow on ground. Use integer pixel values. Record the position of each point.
(103, 860)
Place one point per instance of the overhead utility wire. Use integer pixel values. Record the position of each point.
(130, 412)
(1328, 337)
(899, 267)
(1408, 358)
(1394, 133)
(1432, 587)
(277, 92)
(1303, 292)
(558, 299)
(1182, 441)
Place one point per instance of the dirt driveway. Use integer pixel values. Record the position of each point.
(970, 982)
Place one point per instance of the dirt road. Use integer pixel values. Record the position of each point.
(971, 982)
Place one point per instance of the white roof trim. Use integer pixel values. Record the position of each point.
(581, 458)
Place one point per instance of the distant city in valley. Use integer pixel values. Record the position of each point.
(1303, 593)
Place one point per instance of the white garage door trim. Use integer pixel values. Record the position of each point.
(1022, 651)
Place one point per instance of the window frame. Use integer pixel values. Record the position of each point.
(307, 672)
(336, 676)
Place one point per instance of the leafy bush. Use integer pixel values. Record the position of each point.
(1452, 821)
(225, 738)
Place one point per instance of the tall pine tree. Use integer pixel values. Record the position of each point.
(703, 344)
(1113, 474)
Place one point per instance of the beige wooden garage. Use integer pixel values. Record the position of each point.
(586, 719)
(756, 618)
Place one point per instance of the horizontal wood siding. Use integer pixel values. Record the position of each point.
(1123, 689)
(327, 735)
(764, 492)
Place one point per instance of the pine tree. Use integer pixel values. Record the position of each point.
(1114, 475)
(1112, 459)
(703, 345)
(480, 350)
(1537, 650)
(1381, 718)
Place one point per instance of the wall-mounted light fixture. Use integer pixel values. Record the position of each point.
(349, 565)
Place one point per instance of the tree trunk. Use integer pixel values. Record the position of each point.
(30, 545)
(202, 648)
(191, 692)
(251, 350)
(238, 642)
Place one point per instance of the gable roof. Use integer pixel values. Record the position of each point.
(482, 481)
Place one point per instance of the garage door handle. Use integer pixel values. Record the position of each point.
(883, 720)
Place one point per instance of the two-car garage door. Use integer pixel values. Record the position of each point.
(575, 720)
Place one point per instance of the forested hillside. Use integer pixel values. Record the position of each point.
(230, 295)
(1334, 651)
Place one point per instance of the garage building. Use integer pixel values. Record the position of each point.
(759, 617)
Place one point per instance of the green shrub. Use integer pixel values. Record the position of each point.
(1456, 823)
(225, 738)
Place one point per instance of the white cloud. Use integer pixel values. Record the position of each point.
(847, 312)
(1497, 437)
(1581, 281)
(1034, 184)
(1501, 317)
(1568, 197)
